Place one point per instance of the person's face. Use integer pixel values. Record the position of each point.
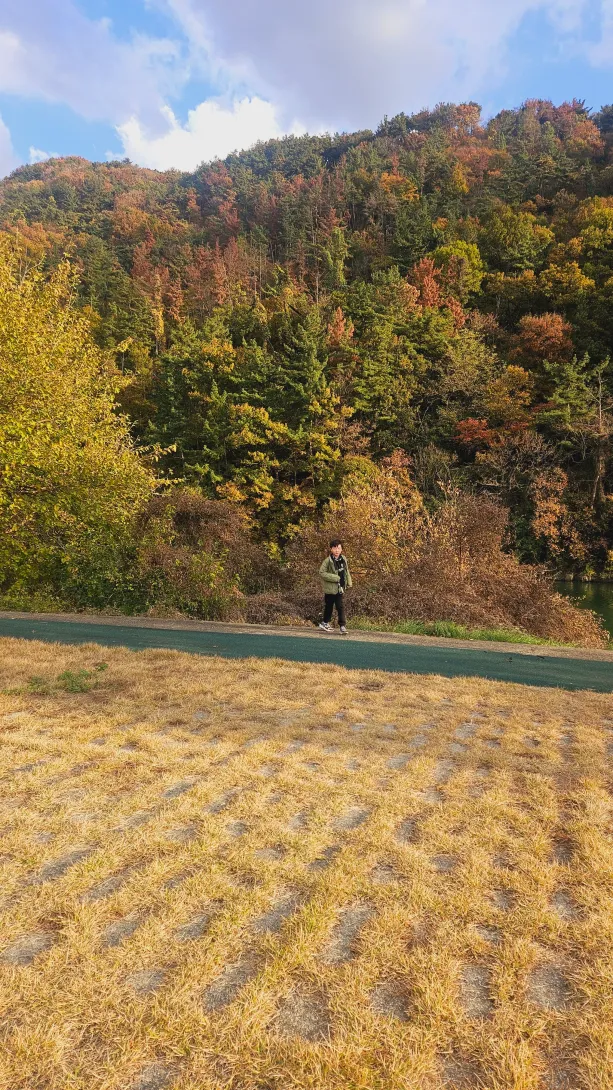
(336, 551)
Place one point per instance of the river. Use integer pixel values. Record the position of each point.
(596, 596)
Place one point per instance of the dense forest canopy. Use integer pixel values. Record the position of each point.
(293, 317)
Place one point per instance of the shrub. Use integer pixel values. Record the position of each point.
(449, 566)
(197, 556)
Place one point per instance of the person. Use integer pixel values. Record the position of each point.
(335, 579)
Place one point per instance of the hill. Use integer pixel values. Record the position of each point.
(303, 311)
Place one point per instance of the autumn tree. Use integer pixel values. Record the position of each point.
(70, 479)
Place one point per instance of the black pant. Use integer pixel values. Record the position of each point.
(332, 600)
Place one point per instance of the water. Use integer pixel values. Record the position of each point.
(596, 596)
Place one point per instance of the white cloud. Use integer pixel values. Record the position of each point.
(37, 155)
(52, 52)
(8, 159)
(213, 129)
(346, 63)
(601, 52)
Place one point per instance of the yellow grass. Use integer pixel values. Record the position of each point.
(521, 810)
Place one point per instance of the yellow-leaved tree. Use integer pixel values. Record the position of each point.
(71, 481)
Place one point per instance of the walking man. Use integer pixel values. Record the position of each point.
(335, 579)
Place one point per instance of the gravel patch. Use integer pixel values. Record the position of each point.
(178, 789)
(266, 772)
(408, 831)
(475, 988)
(183, 834)
(400, 761)
(430, 795)
(503, 899)
(502, 862)
(292, 747)
(489, 934)
(460, 1073)
(563, 904)
(153, 1077)
(351, 819)
(465, 731)
(237, 829)
(342, 945)
(272, 921)
(255, 741)
(325, 859)
(140, 817)
(384, 874)
(418, 741)
(58, 867)
(298, 821)
(29, 767)
(82, 817)
(270, 855)
(562, 1074)
(548, 988)
(27, 948)
(105, 888)
(221, 803)
(146, 981)
(388, 1000)
(562, 851)
(444, 864)
(195, 928)
(443, 771)
(119, 930)
(304, 1014)
(222, 991)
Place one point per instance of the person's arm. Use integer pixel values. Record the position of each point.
(349, 579)
(330, 578)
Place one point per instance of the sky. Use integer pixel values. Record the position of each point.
(174, 83)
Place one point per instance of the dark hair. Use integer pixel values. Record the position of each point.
(335, 541)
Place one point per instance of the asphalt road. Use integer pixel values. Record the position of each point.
(533, 669)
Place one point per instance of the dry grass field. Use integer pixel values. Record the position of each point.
(268, 876)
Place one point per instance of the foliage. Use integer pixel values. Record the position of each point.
(196, 556)
(70, 479)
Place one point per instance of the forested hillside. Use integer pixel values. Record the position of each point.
(435, 296)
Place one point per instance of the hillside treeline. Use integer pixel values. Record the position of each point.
(292, 321)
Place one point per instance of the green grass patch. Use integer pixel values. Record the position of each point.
(69, 681)
(452, 630)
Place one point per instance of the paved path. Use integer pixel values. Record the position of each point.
(527, 665)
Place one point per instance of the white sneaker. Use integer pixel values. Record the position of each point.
(343, 630)
(326, 627)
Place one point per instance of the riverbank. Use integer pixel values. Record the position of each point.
(596, 596)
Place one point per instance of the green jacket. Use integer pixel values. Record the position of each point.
(330, 578)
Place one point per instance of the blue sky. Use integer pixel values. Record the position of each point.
(172, 83)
